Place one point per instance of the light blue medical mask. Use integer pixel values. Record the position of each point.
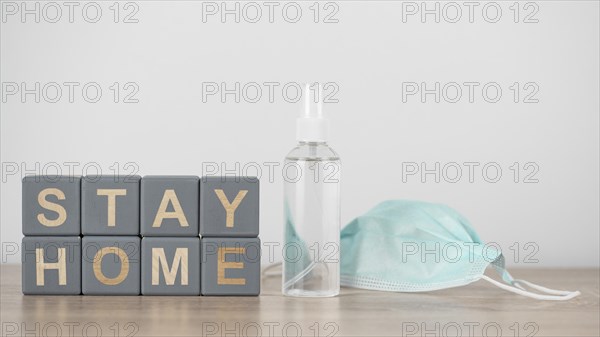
(410, 246)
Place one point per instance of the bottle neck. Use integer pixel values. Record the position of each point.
(305, 143)
(312, 150)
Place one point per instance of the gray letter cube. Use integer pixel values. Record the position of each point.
(59, 211)
(170, 266)
(229, 206)
(230, 266)
(111, 265)
(51, 265)
(177, 199)
(110, 205)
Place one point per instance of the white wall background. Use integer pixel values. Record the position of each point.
(368, 54)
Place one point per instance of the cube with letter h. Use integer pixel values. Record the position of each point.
(51, 248)
(51, 265)
(168, 211)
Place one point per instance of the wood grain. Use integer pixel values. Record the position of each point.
(353, 313)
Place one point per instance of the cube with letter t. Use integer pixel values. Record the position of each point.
(110, 205)
(168, 211)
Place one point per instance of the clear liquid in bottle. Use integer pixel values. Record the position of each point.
(311, 261)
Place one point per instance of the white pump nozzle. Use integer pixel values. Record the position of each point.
(312, 126)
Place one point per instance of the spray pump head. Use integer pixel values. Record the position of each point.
(312, 126)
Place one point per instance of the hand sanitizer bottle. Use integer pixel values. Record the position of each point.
(311, 252)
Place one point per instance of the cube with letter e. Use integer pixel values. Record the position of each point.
(230, 266)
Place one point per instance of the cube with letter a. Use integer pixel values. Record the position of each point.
(169, 206)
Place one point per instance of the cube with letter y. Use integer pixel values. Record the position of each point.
(229, 206)
(51, 205)
(169, 206)
(51, 265)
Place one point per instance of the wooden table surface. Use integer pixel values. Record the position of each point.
(474, 310)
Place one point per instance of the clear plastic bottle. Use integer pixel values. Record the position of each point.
(311, 261)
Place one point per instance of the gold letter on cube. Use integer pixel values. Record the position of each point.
(61, 266)
(62, 213)
(98, 265)
(222, 265)
(180, 258)
(230, 207)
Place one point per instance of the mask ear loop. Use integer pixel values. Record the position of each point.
(547, 290)
(515, 286)
(554, 295)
